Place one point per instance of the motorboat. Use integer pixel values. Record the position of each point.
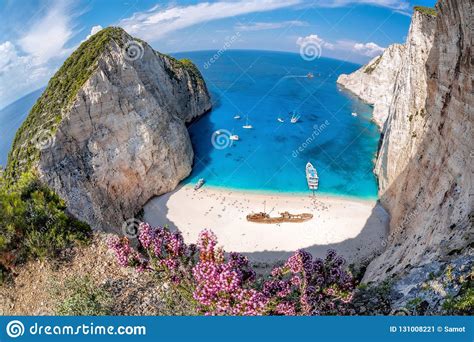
(294, 118)
(312, 177)
(247, 125)
(199, 184)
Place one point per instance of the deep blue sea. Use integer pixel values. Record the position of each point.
(272, 156)
(264, 86)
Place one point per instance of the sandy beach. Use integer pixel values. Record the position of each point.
(355, 228)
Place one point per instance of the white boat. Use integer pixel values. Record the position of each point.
(354, 114)
(294, 118)
(280, 120)
(237, 117)
(309, 75)
(312, 177)
(218, 132)
(199, 184)
(234, 137)
(247, 125)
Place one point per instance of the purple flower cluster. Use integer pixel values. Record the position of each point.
(322, 286)
(229, 286)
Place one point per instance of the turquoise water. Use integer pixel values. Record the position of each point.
(272, 156)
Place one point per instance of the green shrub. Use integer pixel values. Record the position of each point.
(34, 222)
(463, 303)
(82, 297)
(426, 10)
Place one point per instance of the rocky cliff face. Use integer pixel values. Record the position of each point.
(425, 165)
(374, 82)
(122, 138)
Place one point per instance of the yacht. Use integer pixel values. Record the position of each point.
(234, 137)
(247, 125)
(312, 177)
(199, 184)
(280, 120)
(294, 118)
(354, 114)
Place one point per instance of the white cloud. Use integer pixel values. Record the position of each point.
(368, 49)
(19, 74)
(315, 40)
(157, 22)
(398, 5)
(94, 30)
(259, 26)
(47, 37)
(27, 63)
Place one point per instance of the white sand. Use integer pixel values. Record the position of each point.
(354, 228)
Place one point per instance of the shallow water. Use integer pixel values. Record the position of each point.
(272, 156)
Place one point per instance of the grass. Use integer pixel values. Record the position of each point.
(80, 296)
(34, 223)
(426, 10)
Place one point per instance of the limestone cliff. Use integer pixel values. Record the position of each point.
(109, 131)
(425, 165)
(374, 82)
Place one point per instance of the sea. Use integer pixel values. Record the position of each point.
(265, 89)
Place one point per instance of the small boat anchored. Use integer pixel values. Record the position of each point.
(199, 184)
(312, 177)
(280, 120)
(294, 118)
(354, 114)
(234, 137)
(309, 75)
(285, 216)
(247, 125)
(237, 117)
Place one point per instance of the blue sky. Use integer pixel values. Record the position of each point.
(37, 36)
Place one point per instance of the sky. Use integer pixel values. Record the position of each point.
(36, 36)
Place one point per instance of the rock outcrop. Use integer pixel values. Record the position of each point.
(375, 81)
(121, 138)
(425, 164)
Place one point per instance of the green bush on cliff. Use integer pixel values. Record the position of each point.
(33, 222)
(426, 10)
